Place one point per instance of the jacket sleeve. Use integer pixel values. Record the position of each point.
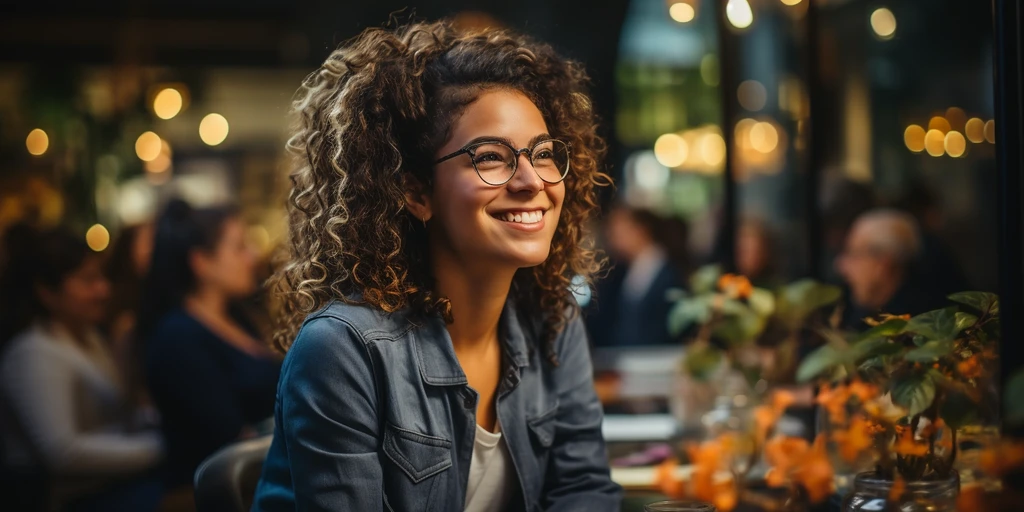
(328, 402)
(578, 476)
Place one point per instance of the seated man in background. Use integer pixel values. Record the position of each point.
(877, 264)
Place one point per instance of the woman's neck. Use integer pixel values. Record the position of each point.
(477, 298)
(207, 302)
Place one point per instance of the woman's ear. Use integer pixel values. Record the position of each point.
(417, 198)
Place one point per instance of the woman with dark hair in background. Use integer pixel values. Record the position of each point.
(126, 267)
(61, 394)
(208, 373)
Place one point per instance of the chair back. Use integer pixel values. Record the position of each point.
(226, 481)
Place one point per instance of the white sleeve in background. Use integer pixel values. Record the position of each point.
(39, 381)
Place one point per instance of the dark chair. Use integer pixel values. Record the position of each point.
(226, 481)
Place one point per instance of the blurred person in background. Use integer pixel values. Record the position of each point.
(938, 268)
(631, 306)
(755, 253)
(62, 398)
(878, 265)
(843, 200)
(126, 267)
(209, 374)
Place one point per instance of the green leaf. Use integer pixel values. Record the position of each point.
(964, 320)
(876, 362)
(919, 340)
(686, 312)
(914, 392)
(958, 410)
(1013, 404)
(762, 301)
(872, 347)
(982, 301)
(934, 325)
(702, 363)
(799, 299)
(822, 359)
(888, 328)
(705, 279)
(740, 326)
(930, 351)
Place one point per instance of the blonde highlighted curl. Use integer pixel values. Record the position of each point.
(370, 120)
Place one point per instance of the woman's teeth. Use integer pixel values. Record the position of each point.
(522, 217)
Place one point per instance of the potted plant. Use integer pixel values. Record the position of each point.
(900, 391)
(743, 337)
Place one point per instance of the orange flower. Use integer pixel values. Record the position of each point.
(735, 286)
(765, 416)
(666, 481)
(863, 390)
(726, 498)
(907, 445)
(783, 454)
(1001, 458)
(970, 368)
(834, 400)
(899, 485)
(854, 439)
(815, 473)
(971, 498)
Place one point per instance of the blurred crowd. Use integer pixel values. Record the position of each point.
(121, 371)
(884, 251)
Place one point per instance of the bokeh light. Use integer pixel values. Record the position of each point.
(955, 144)
(883, 23)
(148, 146)
(990, 131)
(167, 103)
(764, 137)
(213, 129)
(791, 2)
(913, 137)
(752, 95)
(712, 149)
(975, 130)
(97, 237)
(739, 14)
(682, 12)
(935, 142)
(671, 150)
(939, 123)
(37, 142)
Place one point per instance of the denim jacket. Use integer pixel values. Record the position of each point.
(374, 413)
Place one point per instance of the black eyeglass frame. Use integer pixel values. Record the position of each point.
(470, 148)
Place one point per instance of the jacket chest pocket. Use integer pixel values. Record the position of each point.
(422, 462)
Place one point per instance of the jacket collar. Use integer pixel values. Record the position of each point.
(437, 361)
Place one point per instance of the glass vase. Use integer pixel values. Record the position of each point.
(872, 493)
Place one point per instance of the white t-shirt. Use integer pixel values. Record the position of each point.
(491, 475)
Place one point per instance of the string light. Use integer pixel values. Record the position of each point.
(990, 131)
(913, 137)
(935, 143)
(955, 144)
(975, 130)
(939, 123)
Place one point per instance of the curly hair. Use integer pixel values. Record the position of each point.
(370, 119)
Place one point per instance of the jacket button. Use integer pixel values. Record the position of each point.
(469, 402)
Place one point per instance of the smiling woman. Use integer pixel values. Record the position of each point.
(436, 359)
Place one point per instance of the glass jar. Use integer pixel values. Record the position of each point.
(871, 493)
(679, 506)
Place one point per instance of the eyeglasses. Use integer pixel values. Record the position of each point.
(496, 161)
